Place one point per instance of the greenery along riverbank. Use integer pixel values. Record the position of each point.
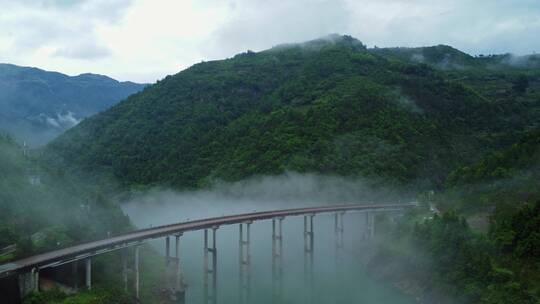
(443, 260)
(43, 209)
(451, 259)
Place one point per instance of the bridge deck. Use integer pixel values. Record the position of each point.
(60, 256)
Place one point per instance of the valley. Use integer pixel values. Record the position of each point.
(324, 122)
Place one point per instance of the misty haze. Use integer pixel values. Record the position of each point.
(332, 151)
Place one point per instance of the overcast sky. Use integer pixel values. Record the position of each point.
(145, 40)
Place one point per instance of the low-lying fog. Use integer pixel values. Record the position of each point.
(337, 280)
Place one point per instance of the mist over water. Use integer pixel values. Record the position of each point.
(339, 275)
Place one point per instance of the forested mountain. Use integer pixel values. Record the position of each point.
(328, 106)
(37, 105)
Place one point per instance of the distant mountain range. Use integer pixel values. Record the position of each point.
(37, 105)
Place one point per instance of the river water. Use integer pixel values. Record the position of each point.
(339, 276)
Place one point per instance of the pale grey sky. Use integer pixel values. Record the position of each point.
(145, 40)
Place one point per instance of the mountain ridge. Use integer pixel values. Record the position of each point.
(37, 105)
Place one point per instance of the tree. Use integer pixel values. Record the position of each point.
(520, 84)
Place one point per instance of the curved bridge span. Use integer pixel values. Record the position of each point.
(85, 251)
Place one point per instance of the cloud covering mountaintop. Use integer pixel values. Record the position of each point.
(143, 40)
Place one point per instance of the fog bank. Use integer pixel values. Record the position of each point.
(337, 276)
(290, 190)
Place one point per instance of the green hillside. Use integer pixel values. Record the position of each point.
(328, 106)
(505, 177)
(43, 209)
(441, 56)
(521, 156)
(513, 82)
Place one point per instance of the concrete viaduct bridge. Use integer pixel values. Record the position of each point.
(28, 269)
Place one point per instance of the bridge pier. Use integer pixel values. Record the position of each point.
(173, 278)
(179, 279)
(367, 231)
(277, 259)
(136, 272)
(371, 224)
(75, 274)
(167, 250)
(29, 282)
(245, 264)
(124, 269)
(210, 296)
(338, 231)
(308, 253)
(88, 273)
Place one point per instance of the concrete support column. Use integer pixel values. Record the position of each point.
(124, 269)
(88, 272)
(206, 269)
(29, 282)
(372, 225)
(210, 292)
(36, 280)
(366, 230)
(167, 251)
(168, 262)
(308, 253)
(245, 264)
(308, 233)
(173, 274)
(277, 259)
(338, 231)
(179, 281)
(136, 272)
(75, 274)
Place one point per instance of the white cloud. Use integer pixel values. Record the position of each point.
(67, 119)
(83, 51)
(42, 30)
(262, 24)
(144, 40)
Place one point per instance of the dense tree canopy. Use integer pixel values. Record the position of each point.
(475, 269)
